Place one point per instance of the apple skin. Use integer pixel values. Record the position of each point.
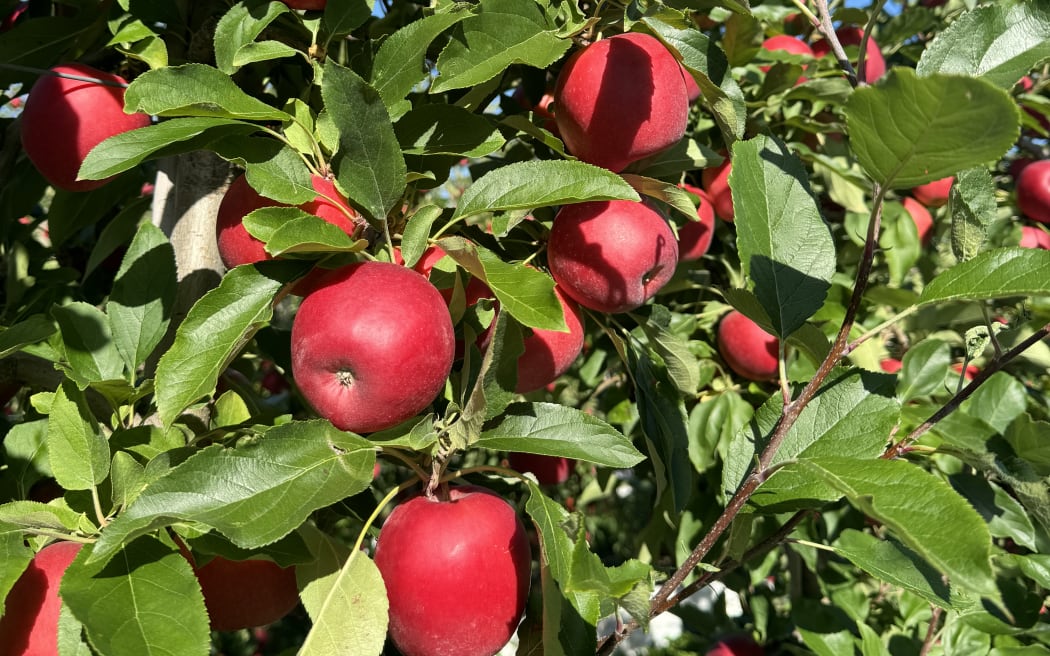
(611, 256)
(621, 99)
(240, 594)
(64, 119)
(372, 346)
(1033, 191)
(716, 182)
(309, 5)
(29, 626)
(891, 365)
(934, 194)
(1032, 237)
(457, 573)
(786, 43)
(748, 350)
(549, 470)
(694, 238)
(740, 645)
(874, 62)
(921, 216)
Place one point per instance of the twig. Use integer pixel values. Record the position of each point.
(828, 30)
(931, 631)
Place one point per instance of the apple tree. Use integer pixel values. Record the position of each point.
(524, 326)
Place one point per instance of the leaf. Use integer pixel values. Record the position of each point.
(998, 273)
(24, 333)
(195, 90)
(31, 515)
(240, 26)
(683, 368)
(712, 423)
(923, 368)
(88, 343)
(926, 515)
(14, 557)
(263, 51)
(1005, 515)
(290, 230)
(25, 454)
(999, 401)
(341, 18)
(504, 32)
(909, 130)
(417, 232)
(525, 185)
(76, 447)
(271, 168)
(892, 562)
(556, 430)
(320, 575)
(972, 206)
(785, 246)
(255, 493)
(353, 618)
(447, 130)
(999, 42)
(147, 601)
(369, 165)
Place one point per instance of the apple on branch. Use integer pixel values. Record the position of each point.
(748, 349)
(29, 626)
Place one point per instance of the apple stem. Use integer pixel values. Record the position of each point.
(70, 76)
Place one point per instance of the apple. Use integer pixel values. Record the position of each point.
(12, 18)
(716, 181)
(874, 62)
(1032, 237)
(611, 256)
(240, 594)
(64, 119)
(309, 5)
(737, 645)
(934, 194)
(29, 626)
(788, 44)
(473, 291)
(692, 89)
(891, 365)
(971, 370)
(748, 350)
(694, 238)
(372, 346)
(621, 99)
(1033, 191)
(921, 216)
(457, 573)
(549, 470)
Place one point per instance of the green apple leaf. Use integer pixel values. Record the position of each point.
(785, 246)
(909, 130)
(712, 424)
(290, 230)
(71, 638)
(894, 563)
(33, 43)
(923, 368)
(271, 168)
(76, 447)
(14, 557)
(195, 90)
(31, 515)
(526, 185)
(998, 273)
(1005, 515)
(341, 18)
(972, 205)
(352, 618)
(447, 130)
(416, 234)
(255, 493)
(241, 26)
(25, 453)
(15, 337)
(318, 577)
(88, 343)
(999, 401)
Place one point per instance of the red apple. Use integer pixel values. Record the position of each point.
(694, 238)
(934, 194)
(64, 119)
(240, 594)
(874, 62)
(1032, 237)
(372, 346)
(692, 89)
(473, 291)
(457, 573)
(12, 18)
(309, 5)
(738, 645)
(716, 182)
(611, 256)
(549, 470)
(1033, 191)
(786, 43)
(891, 365)
(621, 99)
(29, 626)
(971, 370)
(748, 350)
(921, 216)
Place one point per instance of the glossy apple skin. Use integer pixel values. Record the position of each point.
(310, 5)
(549, 470)
(748, 350)
(621, 99)
(716, 182)
(874, 62)
(1032, 237)
(736, 646)
(1033, 191)
(457, 573)
(921, 216)
(786, 43)
(694, 238)
(611, 256)
(934, 194)
(240, 594)
(64, 119)
(29, 626)
(548, 354)
(372, 347)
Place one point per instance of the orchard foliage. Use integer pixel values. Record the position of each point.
(151, 407)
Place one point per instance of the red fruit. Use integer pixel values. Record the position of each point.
(786, 43)
(12, 18)
(891, 365)
(1033, 191)
(621, 99)
(716, 182)
(611, 256)
(934, 194)
(971, 370)
(457, 573)
(372, 347)
(874, 62)
(309, 5)
(1032, 237)
(64, 119)
(475, 289)
(748, 350)
(549, 470)
(739, 645)
(240, 594)
(694, 238)
(29, 626)
(549, 353)
(692, 89)
(921, 216)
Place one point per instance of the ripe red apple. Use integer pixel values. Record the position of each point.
(748, 350)
(549, 470)
(310, 5)
(473, 291)
(934, 194)
(738, 645)
(457, 573)
(716, 181)
(621, 99)
(611, 256)
(64, 119)
(692, 89)
(694, 238)
(29, 626)
(874, 62)
(789, 44)
(1033, 191)
(240, 594)
(1033, 237)
(372, 346)
(891, 365)
(971, 370)
(921, 216)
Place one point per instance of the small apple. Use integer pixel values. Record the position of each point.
(1033, 237)
(971, 370)
(621, 99)
(716, 182)
(29, 626)
(1033, 191)
(934, 194)
(891, 365)
(64, 119)
(611, 256)
(241, 594)
(737, 645)
(694, 238)
(372, 346)
(457, 573)
(748, 350)
(788, 44)
(549, 470)
(874, 62)
(921, 216)
(309, 5)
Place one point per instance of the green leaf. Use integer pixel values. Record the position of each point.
(999, 401)
(999, 42)
(25, 455)
(447, 130)
(369, 165)
(1026, 437)
(909, 130)
(31, 515)
(924, 512)
(213, 332)
(341, 18)
(139, 306)
(1005, 515)
(998, 273)
(352, 619)
(321, 574)
(195, 90)
(892, 562)
(34, 44)
(289, 230)
(88, 343)
(240, 26)
(76, 447)
(147, 601)
(255, 493)
(24, 333)
(494, 385)
(271, 168)
(972, 206)
(712, 423)
(416, 233)
(14, 557)
(504, 32)
(682, 366)
(556, 430)
(263, 51)
(923, 368)
(127, 478)
(525, 185)
(785, 246)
